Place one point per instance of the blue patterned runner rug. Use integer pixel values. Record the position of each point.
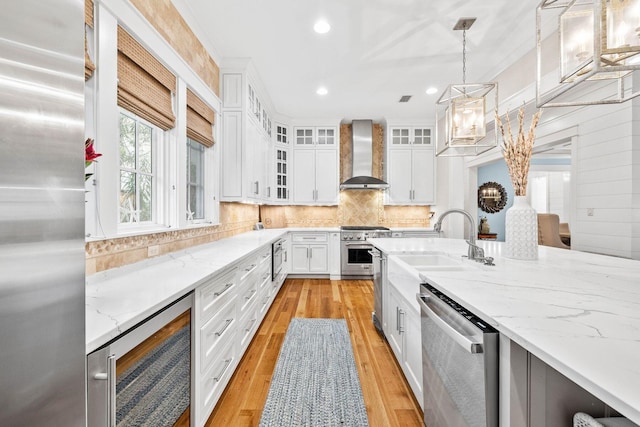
(315, 382)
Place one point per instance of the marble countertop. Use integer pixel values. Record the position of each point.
(577, 312)
(120, 298)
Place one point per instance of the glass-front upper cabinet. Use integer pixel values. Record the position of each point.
(402, 136)
(282, 174)
(316, 136)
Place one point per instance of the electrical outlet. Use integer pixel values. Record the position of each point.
(153, 250)
(589, 211)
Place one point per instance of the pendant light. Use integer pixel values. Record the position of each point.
(591, 53)
(462, 123)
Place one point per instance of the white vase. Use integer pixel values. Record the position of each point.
(521, 230)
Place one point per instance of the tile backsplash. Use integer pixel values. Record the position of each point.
(235, 218)
(356, 207)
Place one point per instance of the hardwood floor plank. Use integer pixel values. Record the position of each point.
(388, 398)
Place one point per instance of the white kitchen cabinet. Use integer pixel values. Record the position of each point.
(402, 136)
(247, 147)
(282, 165)
(411, 166)
(309, 253)
(315, 136)
(315, 176)
(228, 311)
(402, 329)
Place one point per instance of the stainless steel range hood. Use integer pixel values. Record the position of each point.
(362, 159)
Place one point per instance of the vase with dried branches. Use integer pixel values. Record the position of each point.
(521, 222)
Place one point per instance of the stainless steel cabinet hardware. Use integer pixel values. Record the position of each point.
(227, 363)
(226, 288)
(227, 322)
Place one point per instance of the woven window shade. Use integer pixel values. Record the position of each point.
(88, 12)
(200, 119)
(144, 84)
(89, 66)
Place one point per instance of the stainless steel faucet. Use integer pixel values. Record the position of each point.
(475, 252)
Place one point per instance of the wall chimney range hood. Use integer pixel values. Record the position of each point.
(362, 159)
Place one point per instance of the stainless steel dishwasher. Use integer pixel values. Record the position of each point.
(459, 364)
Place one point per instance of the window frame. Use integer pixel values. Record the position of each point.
(202, 185)
(159, 176)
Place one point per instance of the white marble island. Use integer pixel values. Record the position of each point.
(577, 312)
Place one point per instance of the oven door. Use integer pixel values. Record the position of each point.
(144, 377)
(356, 259)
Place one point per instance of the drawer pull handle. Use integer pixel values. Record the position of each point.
(218, 377)
(226, 288)
(224, 328)
(251, 267)
(253, 292)
(250, 325)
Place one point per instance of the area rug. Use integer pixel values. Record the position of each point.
(315, 382)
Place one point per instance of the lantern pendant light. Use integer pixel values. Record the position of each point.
(461, 112)
(595, 51)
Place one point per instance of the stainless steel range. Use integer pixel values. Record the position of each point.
(356, 259)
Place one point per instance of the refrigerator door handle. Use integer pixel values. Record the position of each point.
(111, 385)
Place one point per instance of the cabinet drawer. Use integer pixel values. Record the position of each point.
(247, 297)
(216, 331)
(215, 379)
(246, 268)
(247, 327)
(263, 275)
(309, 237)
(265, 256)
(216, 293)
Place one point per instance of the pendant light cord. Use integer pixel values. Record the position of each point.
(464, 54)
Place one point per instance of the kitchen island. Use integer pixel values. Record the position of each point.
(579, 313)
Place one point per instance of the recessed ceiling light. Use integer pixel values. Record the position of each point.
(432, 90)
(322, 90)
(322, 27)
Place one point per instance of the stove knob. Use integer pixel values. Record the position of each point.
(350, 237)
(359, 237)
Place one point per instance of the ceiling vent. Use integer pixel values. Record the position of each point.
(405, 98)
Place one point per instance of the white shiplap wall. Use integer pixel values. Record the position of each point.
(603, 186)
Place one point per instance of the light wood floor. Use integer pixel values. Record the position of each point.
(387, 395)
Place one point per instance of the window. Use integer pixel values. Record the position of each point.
(195, 180)
(137, 171)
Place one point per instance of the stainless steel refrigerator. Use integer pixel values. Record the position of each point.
(42, 327)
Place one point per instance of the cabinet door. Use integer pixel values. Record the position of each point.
(326, 137)
(251, 158)
(422, 168)
(304, 137)
(326, 176)
(412, 364)
(394, 322)
(231, 155)
(400, 180)
(318, 259)
(400, 137)
(281, 177)
(299, 259)
(421, 137)
(304, 176)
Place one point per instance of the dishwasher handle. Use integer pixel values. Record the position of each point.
(469, 345)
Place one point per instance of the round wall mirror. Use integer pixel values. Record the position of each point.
(492, 197)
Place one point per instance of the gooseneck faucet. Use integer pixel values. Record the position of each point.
(475, 252)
